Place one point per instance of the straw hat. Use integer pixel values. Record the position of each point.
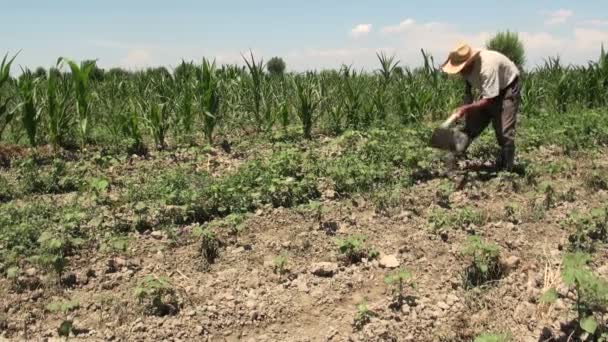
(458, 58)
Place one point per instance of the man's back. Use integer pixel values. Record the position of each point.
(491, 73)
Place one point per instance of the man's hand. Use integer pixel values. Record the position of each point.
(460, 112)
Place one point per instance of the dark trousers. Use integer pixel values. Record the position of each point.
(503, 115)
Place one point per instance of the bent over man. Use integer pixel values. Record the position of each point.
(496, 79)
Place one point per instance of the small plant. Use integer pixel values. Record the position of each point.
(597, 180)
(210, 246)
(591, 293)
(157, 296)
(512, 213)
(549, 192)
(353, 249)
(590, 229)
(64, 307)
(485, 265)
(444, 190)
(490, 337)
(363, 316)
(398, 281)
(280, 264)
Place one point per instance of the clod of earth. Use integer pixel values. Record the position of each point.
(324, 269)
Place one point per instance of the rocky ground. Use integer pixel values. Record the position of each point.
(242, 295)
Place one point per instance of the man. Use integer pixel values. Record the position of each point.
(496, 78)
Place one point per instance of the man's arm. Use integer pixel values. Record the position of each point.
(473, 107)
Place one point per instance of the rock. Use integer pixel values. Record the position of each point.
(158, 235)
(405, 309)
(389, 261)
(329, 194)
(36, 294)
(139, 327)
(443, 305)
(191, 313)
(199, 330)
(452, 299)
(511, 262)
(69, 280)
(31, 272)
(324, 269)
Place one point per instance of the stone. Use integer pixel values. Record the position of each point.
(389, 261)
(69, 280)
(157, 234)
(199, 330)
(511, 262)
(324, 269)
(443, 305)
(31, 272)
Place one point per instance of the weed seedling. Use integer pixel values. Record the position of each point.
(591, 293)
(280, 264)
(485, 265)
(210, 245)
(363, 316)
(398, 281)
(353, 249)
(157, 296)
(490, 337)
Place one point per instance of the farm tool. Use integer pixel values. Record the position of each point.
(447, 138)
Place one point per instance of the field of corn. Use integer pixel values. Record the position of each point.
(225, 203)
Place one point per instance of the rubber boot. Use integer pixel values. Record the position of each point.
(507, 162)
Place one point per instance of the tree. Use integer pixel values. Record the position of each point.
(509, 44)
(276, 66)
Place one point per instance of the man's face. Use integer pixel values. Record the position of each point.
(466, 71)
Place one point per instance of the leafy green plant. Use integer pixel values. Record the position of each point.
(491, 337)
(484, 266)
(58, 104)
(280, 264)
(210, 246)
(589, 229)
(81, 79)
(399, 280)
(354, 248)
(591, 293)
(309, 99)
(63, 306)
(209, 98)
(157, 296)
(6, 114)
(30, 109)
(363, 316)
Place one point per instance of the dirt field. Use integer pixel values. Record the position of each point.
(313, 295)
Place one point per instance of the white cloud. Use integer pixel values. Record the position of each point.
(596, 23)
(137, 59)
(402, 26)
(558, 17)
(361, 30)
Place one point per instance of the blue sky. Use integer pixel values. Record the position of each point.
(307, 34)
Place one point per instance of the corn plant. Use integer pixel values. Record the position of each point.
(80, 76)
(58, 104)
(485, 265)
(256, 85)
(6, 115)
(185, 98)
(307, 89)
(29, 104)
(209, 98)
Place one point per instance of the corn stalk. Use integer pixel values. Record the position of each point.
(6, 115)
(209, 98)
(80, 76)
(30, 113)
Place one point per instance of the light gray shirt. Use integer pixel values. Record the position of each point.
(491, 73)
